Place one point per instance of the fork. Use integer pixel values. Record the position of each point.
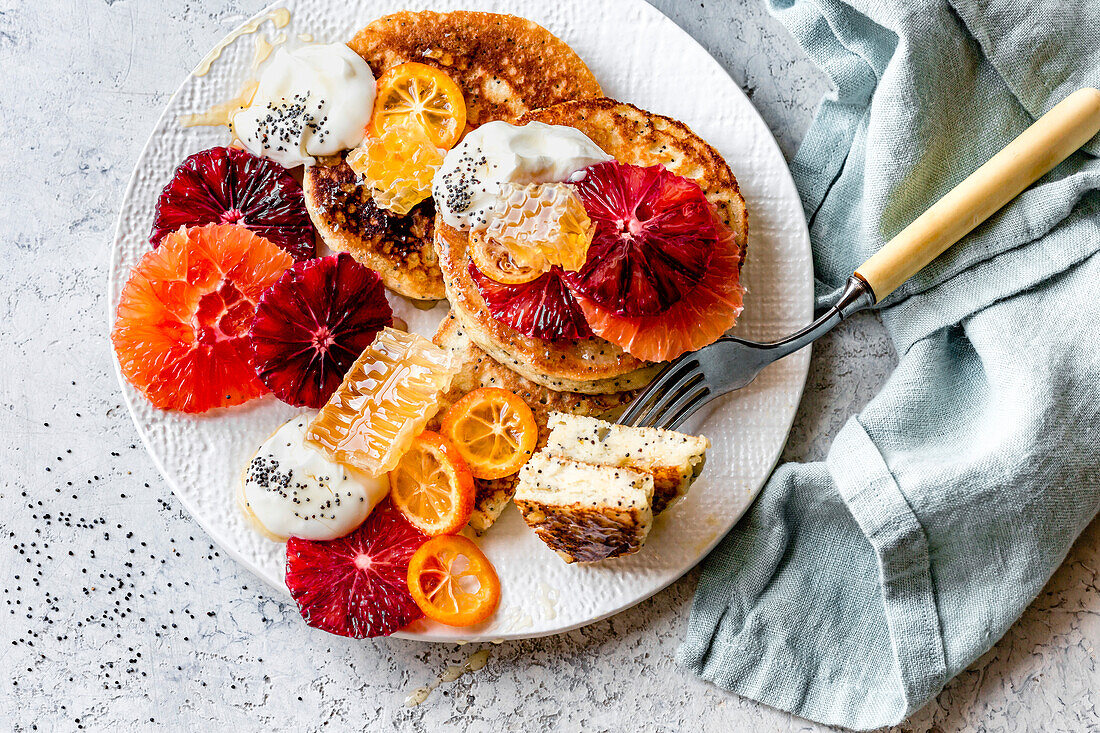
(694, 379)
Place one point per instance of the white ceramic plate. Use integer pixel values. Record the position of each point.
(639, 56)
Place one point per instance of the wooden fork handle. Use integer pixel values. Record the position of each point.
(1050, 140)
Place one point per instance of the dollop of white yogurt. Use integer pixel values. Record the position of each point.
(291, 489)
(466, 187)
(314, 100)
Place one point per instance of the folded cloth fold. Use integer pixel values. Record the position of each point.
(854, 588)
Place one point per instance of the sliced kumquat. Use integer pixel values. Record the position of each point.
(494, 431)
(500, 263)
(453, 582)
(414, 92)
(432, 486)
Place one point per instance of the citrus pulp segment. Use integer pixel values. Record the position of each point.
(357, 585)
(231, 186)
(312, 324)
(453, 582)
(543, 308)
(493, 429)
(415, 93)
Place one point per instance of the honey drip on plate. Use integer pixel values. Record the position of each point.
(385, 400)
(473, 663)
(280, 18)
(222, 113)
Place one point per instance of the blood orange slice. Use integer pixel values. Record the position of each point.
(357, 585)
(543, 308)
(663, 272)
(704, 313)
(181, 330)
(232, 186)
(654, 237)
(312, 325)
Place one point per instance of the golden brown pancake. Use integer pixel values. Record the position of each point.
(630, 135)
(399, 248)
(505, 66)
(591, 366)
(477, 369)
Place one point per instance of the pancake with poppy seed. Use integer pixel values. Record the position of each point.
(630, 135)
(504, 65)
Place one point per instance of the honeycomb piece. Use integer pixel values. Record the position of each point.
(398, 166)
(385, 400)
(541, 225)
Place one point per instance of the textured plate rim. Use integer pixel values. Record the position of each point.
(231, 550)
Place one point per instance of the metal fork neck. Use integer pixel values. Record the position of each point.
(856, 296)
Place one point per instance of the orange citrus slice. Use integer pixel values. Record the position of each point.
(417, 92)
(499, 263)
(494, 431)
(453, 582)
(432, 486)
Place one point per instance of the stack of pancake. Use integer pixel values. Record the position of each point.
(514, 70)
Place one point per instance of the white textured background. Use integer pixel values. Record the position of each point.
(118, 614)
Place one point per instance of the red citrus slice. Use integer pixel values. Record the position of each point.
(699, 318)
(654, 237)
(232, 186)
(357, 585)
(181, 331)
(543, 308)
(312, 325)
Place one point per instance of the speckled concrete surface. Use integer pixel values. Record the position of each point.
(117, 612)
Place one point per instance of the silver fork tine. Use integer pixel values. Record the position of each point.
(672, 397)
(730, 363)
(684, 407)
(671, 378)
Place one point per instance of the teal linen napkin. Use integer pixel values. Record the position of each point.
(854, 588)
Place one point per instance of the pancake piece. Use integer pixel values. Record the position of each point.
(585, 513)
(506, 66)
(673, 459)
(630, 135)
(399, 248)
(476, 369)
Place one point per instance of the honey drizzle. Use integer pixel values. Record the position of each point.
(222, 113)
(280, 18)
(473, 663)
